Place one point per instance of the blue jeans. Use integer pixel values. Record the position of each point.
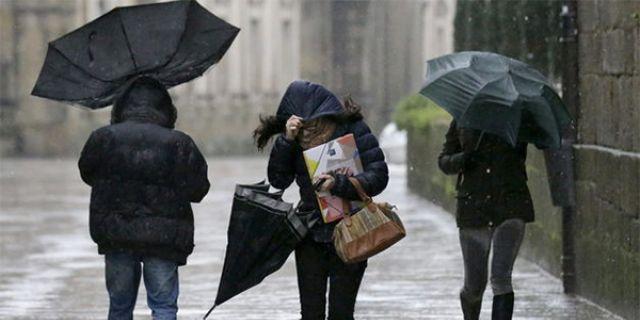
(123, 271)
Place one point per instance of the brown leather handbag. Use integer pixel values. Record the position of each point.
(367, 232)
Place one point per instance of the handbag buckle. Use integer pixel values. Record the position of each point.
(347, 220)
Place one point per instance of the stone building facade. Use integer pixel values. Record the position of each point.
(29, 125)
(374, 51)
(219, 109)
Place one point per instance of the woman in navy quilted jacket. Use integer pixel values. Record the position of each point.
(310, 115)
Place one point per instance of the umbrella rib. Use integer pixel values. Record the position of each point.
(126, 37)
(52, 45)
(88, 84)
(209, 57)
(173, 55)
(474, 97)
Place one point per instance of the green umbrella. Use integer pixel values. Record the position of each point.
(496, 94)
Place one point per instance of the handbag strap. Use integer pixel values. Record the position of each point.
(360, 190)
(362, 194)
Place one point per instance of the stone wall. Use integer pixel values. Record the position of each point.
(607, 156)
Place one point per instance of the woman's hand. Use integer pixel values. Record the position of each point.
(329, 182)
(293, 126)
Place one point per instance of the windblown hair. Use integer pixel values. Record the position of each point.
(134, 102)
(272, 125)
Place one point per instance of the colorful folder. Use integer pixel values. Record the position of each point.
(337, 156)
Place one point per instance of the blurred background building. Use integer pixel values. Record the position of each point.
(217, 108)
(372, 50)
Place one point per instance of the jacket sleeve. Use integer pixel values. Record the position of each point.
(375, 175)
(191, 171)
(92, 155)
(451, 159)
(281, 168)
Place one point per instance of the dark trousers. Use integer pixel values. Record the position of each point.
(316, 263)
(476, 244)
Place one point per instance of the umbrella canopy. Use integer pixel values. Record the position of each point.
(496, 94)
(172, 42)
(263, 231)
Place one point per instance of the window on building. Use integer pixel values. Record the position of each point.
(287, 53)
(256, 52)
(219, 76)
(441, 9)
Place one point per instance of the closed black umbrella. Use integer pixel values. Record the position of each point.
(172, 42)
(263, 231)
(496, 94)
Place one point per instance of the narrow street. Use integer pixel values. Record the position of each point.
(50, 268)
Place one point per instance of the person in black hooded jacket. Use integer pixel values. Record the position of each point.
(310, 115)
(143, 176)
(493, 207)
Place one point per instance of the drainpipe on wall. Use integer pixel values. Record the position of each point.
(560, 162)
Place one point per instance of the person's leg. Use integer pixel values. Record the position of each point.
(476, 245)
(507, 238)
(161, 282)
(344, 283)
(311, 266)
(122, 274)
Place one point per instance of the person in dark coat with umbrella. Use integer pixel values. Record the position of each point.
(310, 115)
(499, 105)
(143, 176)
(493, 206)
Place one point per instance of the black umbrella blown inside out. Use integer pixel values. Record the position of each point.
(263, 231)
(172, 42)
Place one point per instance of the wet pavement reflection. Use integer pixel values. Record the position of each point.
(50, 269)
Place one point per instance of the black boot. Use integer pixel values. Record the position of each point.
(470, 309)
(502, 307)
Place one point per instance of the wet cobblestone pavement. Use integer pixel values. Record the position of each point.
(49, 267)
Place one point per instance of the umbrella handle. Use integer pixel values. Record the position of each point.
(479, 140)
(209, 312)
(92, 36)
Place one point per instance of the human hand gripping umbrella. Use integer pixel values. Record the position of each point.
(172, 42)
(499, 95)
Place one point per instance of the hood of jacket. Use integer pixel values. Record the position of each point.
(309, 101)
(145, 100)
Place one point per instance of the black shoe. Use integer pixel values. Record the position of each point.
(470, 309)
(502, 307)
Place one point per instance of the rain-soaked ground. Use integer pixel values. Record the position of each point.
(49, 267)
